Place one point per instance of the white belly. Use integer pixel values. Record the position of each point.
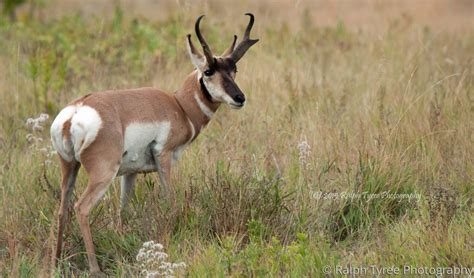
(137, 153)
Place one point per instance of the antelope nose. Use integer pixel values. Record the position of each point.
(239, 99)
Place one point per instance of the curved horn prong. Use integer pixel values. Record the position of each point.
(246, 42)
(205, 46)
(249, 26)
(229, 50)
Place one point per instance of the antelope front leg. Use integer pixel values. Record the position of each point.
(127, 184)
(163, 167)
(165, 178)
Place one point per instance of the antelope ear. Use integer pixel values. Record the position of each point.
(198, 60)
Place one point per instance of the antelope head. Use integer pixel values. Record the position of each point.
(217, 73)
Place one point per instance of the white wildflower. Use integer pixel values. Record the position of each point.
(37, 127)
(152, 261)
(178, 265)
(30, 137)
(36, 124)
(304, 151)
(43, 117)
(147, 244)
(158, 246)
(36, 137)
(30, 122)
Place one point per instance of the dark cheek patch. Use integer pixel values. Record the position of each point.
(230, 87)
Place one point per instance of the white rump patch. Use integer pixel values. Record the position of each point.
(60, 144)
(206, 110)
(85, 124)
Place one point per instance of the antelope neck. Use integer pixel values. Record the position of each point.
(196, 101)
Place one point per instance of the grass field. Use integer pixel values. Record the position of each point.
(356, 146)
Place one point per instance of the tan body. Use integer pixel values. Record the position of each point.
(145, 106)
(108, 156)
(122, 133)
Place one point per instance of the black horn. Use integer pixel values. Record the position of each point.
(205, 46)
(246, 42)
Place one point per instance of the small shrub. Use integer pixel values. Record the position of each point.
(229, 204)
(442, 207)
(379, 197)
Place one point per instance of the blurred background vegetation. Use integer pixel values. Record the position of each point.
(365, 97)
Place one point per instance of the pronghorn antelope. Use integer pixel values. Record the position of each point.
(125, 132)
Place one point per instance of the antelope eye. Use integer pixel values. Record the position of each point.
(209, 72)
